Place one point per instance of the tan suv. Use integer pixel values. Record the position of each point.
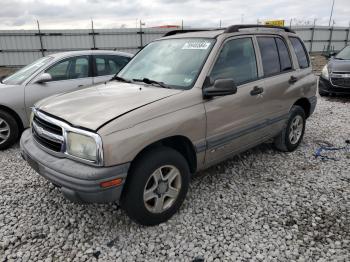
(185, 102)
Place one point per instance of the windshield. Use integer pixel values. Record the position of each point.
(344, 53)
(20, 76)
(174, 62)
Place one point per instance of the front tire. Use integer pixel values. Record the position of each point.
(323, 93)
(292, 134)
(156, 186)
(9, 130)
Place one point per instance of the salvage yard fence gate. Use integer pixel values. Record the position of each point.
(20, 47)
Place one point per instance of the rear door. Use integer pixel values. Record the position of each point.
(68, 75)
(277, 74)
(235, 122)
(106, 66)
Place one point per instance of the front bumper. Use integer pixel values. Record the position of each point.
(325, 86)
(78, 182)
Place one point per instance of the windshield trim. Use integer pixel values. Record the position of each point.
(195, 79)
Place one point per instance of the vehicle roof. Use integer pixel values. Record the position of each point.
(90, 52)
(203, 34)
(214, 33)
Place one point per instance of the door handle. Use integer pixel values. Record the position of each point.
(80, 85)
(293, 79)
(256, 91)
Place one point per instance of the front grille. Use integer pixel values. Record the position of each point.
(48, 126)
(55, 146)
(341, 82)
(47, 134)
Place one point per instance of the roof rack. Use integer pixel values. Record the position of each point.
(175, 32)
(235, 28)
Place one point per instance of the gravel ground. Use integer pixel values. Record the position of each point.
(5, 71)
(260, 205)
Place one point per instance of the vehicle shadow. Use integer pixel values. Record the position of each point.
(338, 98)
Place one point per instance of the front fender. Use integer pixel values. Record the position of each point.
(124, 145)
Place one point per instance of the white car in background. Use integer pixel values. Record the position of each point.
(47, 76)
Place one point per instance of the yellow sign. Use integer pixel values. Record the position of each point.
(275, 22)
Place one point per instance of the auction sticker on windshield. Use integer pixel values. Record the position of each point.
(196, 45)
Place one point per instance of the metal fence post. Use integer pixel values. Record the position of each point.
(93, 36)
(330, 39)
(312, 35)
(347, 36)
(40, 39)
(141, 33)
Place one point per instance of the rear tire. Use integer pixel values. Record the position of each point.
(292, 134)
(156, 186)
(9, 130)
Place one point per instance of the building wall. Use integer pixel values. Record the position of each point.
(20, 47)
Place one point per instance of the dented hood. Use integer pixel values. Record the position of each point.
(91, 108)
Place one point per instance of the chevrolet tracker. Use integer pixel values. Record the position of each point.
(185, 102)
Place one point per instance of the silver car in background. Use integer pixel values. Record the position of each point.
(47, 76)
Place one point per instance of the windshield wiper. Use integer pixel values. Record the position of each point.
(118, 78)
(150, 81)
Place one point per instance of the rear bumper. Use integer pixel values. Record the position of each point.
(325, 86)
(78, 182)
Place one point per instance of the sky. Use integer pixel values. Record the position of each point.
(64, 14)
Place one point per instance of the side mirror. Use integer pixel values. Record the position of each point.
(221, 87)
(45, 77)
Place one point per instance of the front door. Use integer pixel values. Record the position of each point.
(236, 122)
(68, 75)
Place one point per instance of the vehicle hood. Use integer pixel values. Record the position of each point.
(336, 65)
(91, 108)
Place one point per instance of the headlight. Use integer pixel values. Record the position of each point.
(82, 146)
(325, 73)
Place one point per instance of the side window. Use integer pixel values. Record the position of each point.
(109, 64)
(70, 68)
(81, 68)
(285, 61)
(59, 71)
(236, 61)
(300, 52)
(101, 67)
(269, 55)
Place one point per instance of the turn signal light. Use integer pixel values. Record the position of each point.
(114, 182)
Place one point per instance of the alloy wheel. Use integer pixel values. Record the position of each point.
(4, 131)
(162, 189)
(296, 129)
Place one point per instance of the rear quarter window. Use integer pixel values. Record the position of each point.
(300, 52)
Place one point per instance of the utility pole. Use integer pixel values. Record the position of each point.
(330, 17)
(220, 24)
(182, 24)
